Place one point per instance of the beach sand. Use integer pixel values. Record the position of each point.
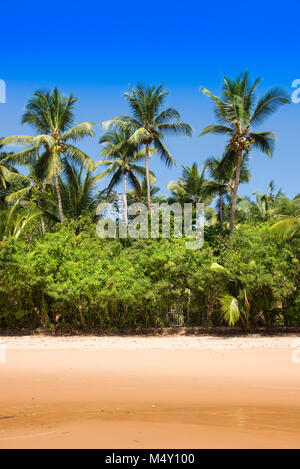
(149, 392)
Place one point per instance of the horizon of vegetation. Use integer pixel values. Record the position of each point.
(56, 273)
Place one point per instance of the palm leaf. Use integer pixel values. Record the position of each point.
(79, 131)
(286, 228)
(164, 153)
(220, 269)
(18, 140)
(264, 141)
(230, 309)
(139, 136)
(175, 128)
(18, 195)
(79, 156)
(268, 104)
(216, 129)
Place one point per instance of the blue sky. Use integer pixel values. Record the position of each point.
(97, 49)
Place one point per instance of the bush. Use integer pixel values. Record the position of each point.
(71, 279)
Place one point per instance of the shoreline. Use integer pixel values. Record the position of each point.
(219, 331)
(167, 342)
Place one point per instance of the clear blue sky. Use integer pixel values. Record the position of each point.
(95, 49)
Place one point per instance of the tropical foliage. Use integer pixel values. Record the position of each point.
(57, 274)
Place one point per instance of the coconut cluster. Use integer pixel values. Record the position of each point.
(60, 145)
(241, 141)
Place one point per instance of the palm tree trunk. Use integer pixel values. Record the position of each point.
(125, 199)
(221, 209)
(41, 216)
(235, 189)
(61, 215)
(148, 178)
(42, 224)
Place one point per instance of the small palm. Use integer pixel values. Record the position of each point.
(77, 190)
(190, 187)
(289, 226)
(122, 163)
(221, 182)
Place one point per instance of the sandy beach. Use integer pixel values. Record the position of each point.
(149, 392)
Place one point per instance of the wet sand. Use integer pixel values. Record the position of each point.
(138, 392)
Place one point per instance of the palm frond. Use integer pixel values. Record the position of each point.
(18, 140)
(175, 128)
(230, 309)
(164, 153)
(18, 195)
(268, 104)
(286, 228)
(79, 156)
(22, 157)
(167, 115)
(216, 129)
(79, 132)
(220, 269)
(139, 136)
(13, 177)
(264, 141)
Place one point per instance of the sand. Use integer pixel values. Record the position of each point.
(150, 392)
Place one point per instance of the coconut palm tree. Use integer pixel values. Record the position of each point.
(122, 163)
(218, 185)
(77, 191)
(238, 115)
(141, 196)
(51, 115)
(221, 182)
(35, 185)
(190, 187)
(150, 124)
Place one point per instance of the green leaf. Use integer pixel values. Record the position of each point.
(230, 309)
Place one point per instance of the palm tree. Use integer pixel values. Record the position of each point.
(218, 185)
(237, 115)
(221, 182)
(51, 115)
(141, 196)
(14, 219)
(289, 226)
(35, 185)
(190, 187)
(150, 124)
(265, 205)
(77, 191)
(235, 302)
(124, 156)
(8, 174)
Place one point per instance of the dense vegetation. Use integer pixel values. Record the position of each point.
(56, 273)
